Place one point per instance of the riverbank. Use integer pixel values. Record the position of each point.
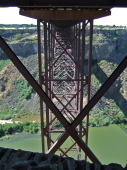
(12, 128)
(2, 122)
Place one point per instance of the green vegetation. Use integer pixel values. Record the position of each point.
(25, 126)
(4, 63)
(96, 82)
(102, 70)
(23, 88)
(6, 117)
(105, 121)
(18, 114)
(108, 65)
(18, 37)
(109, 26)
(100, 118)
(8, 113)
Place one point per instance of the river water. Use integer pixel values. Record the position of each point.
(109, 143)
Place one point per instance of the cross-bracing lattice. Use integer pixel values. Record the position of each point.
(65, 82)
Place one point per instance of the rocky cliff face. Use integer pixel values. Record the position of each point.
(109, 48)
(110, 44)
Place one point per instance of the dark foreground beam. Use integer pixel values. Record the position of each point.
(76, 3)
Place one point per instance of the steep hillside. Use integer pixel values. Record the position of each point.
(15, 92)
(109, 48)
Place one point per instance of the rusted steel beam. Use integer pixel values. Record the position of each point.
(78, 140)
(69, 15)
(40, 82)
(82, 74)
(62, 150)
(47, 100)
(89, 78)
(46, 75)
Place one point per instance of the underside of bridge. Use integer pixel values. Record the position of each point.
(62, 72)
(64, 86)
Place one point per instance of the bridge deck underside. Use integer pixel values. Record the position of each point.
(65, 17)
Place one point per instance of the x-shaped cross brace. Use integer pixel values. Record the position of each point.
(70, 128)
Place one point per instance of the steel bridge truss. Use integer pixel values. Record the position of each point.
(70, 128)
(63, 79)
(64, 84)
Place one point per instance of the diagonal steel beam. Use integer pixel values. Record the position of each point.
(91, 103)
(47, 100)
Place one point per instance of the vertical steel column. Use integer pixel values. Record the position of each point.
(40, 83)
(89, 78)
(79, 59)
(49, 76)
(82, 71)
(46, 79)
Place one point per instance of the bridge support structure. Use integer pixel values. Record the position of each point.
(70, 128)
(62, 72)
(63, 78)
(64, 84)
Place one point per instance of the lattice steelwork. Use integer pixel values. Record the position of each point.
(65, 82)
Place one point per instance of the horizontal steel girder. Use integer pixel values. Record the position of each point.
(66, 15)
(75, 3)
